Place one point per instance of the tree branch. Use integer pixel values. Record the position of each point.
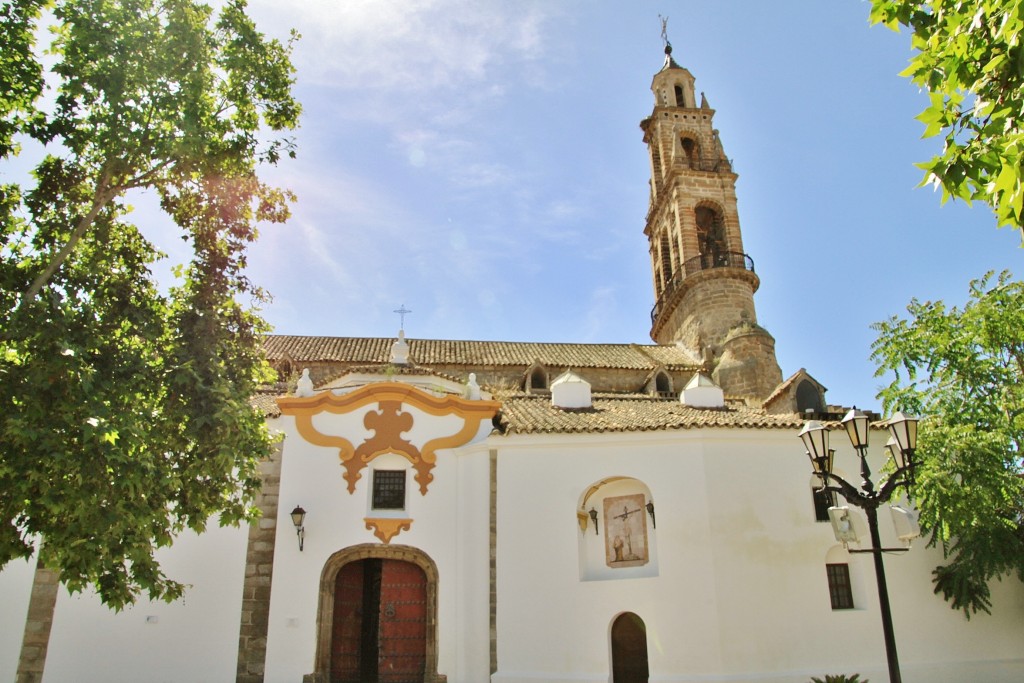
(103, 197)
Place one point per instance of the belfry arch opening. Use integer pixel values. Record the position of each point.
(691, 152)
(665, 249)
(711, 237)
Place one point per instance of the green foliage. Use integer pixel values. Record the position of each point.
(971, 61)
(124, 409)
(839, 678)
(963, 370)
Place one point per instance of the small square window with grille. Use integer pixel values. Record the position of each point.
(389, 489)
(823, 500)
(839, 589)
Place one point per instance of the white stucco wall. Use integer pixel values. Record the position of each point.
(15, 590)
(450, 524)
(192, 640)
(735, 589)
(741, 592)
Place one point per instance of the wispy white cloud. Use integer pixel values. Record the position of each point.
(409, 45)
(601, 309)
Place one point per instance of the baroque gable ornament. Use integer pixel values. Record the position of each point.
(389, 421)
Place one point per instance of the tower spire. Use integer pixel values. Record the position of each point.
(704, 283)
(670, 63)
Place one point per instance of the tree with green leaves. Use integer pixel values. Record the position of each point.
(963, 371)
(125, 413)
(970, 58)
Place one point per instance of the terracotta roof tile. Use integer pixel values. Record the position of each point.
(371, 350)
(265, 401)
(526, 414)
(533, 413)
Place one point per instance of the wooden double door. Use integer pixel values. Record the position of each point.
(378, 633)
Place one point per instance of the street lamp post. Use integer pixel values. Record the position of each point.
(901, 447)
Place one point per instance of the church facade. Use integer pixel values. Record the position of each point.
(515, 512)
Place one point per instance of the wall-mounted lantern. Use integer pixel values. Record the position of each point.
(593, 516)
(298, 518)
(650, 511)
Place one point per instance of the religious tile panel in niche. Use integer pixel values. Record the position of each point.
(625, 531)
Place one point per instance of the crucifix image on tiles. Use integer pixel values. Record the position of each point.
(625, 531)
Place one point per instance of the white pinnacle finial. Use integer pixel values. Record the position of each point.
(304, 387)
(400, 350)
(472, 390)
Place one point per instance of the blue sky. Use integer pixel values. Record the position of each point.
(481, 162)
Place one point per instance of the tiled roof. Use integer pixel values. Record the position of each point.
(371, 350)
(782, 388)
(532, 413)
(527, 414)
(265, 401)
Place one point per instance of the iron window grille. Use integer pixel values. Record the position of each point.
(389, 489)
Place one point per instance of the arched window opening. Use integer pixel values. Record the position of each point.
(680, 102)
(666, 257)
(656, 161)
(840, 588)
(690, 150)
(711, 238)
(629, 649)
(538, 379)
(663, 384)
(845, 580)
(808, 398)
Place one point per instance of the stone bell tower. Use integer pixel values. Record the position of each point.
(704, 283)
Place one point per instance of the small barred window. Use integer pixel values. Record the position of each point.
(389, 489)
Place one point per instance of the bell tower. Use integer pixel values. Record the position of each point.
(704, 283)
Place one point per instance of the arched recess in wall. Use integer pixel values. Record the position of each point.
(617, 530)
(372, 552)
(711, 240)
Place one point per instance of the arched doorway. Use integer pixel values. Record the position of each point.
(378, 634)
(629, 649)
(378, 616)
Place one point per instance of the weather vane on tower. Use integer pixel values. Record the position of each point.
(664, 31)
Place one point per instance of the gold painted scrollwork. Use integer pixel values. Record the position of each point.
(388, 422)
